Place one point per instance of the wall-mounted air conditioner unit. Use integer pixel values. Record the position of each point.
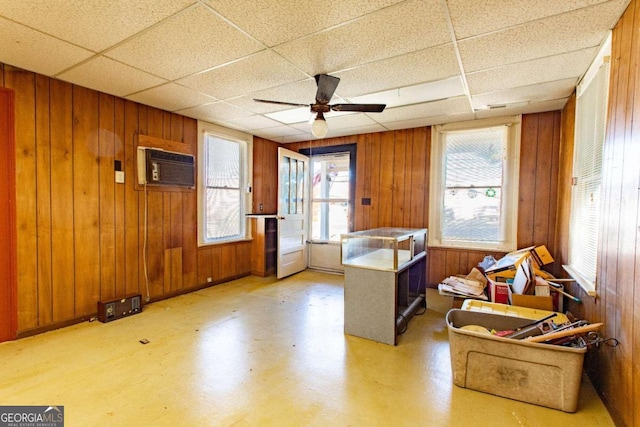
(160, 167)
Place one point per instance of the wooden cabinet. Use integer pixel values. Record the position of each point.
(264, 247)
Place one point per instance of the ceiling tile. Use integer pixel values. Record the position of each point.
(537, 107)
(552, 36)
(436, 108)
(429, 121)
(253, 122)
(93, 24)
(120, 80)
(171, 97)
(278, 21)
(300, 92)
(405, 70)
(471, 18)
(272, 132)
(296, 138)
(263, 70)
(215, 112)
(29, 49)
(417, 94)
(355, 130)
(185, 44)
(406, 27)
(560, 89)
(552, 68)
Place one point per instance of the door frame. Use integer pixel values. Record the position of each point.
(8, 295)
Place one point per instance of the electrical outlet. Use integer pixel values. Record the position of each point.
(209, 279)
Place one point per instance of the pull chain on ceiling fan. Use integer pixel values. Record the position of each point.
(326, 87)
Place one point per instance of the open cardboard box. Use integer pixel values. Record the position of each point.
(506, 267)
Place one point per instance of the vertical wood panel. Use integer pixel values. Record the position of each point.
(361, 153)
(528, 159)
(374, 165)
(177, 128)
(385, 203)
(86, 200)
(107, 197)
(120, 240)
(419, 176)
(409, 171)
(544, 159)
(228, 266)
(399, 170)
(204, 265)
(189, 241)
(8, 243)
(132, 223)
(43, 202)
(190, 216)
(23, 83)
(155, 241)
(62, 211)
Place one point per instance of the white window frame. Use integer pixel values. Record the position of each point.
(509, 210)
(590, 132)
(246, 142)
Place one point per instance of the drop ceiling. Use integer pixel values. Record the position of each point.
(430, 61)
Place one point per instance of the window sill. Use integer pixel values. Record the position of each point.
(226, 242)
(587, 286)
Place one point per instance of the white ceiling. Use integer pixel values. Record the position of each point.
(431, 61)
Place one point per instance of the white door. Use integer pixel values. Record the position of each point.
(292, 212)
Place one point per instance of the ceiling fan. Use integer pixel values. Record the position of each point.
(326, 87)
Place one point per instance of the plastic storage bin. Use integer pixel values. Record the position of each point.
(542, 374)
(511, 310)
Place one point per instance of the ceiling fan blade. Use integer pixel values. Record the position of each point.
(363, 108)
(280, 102)
(326, 87)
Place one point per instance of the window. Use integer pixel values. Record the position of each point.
(332, 191)
(223, 196)
(474, 190)
(591, 119)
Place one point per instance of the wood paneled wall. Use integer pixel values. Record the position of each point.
(615, 372)
(80, 235)
(393, 171)
(265, 176)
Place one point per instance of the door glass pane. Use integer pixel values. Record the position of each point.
(300, 187)
(284, 179)
(293, 186)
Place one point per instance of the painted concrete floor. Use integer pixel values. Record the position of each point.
(259, 352)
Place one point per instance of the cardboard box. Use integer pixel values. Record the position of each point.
(533, 301)
(542, 374)
(506, 267)
(553, 302)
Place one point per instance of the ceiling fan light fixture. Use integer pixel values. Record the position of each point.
(319, 128)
